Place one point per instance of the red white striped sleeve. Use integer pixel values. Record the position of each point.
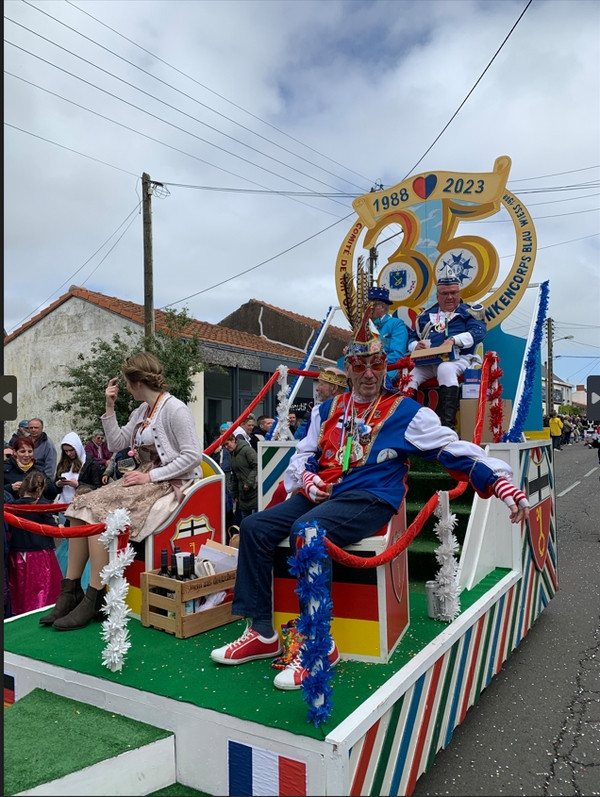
(510, 494)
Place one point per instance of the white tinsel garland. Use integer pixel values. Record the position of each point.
(283, 406)
(114, 628)
(446, 577)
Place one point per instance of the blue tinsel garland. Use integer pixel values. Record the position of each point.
(314, 624)
(515, 434)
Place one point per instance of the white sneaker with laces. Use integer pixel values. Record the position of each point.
(294, 673)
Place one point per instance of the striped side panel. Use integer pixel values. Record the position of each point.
(273, 463)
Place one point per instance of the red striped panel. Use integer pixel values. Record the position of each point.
(505, 627)
(471, 674)
(424, 722)
(363, 761)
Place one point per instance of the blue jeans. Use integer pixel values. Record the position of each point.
(351, 517)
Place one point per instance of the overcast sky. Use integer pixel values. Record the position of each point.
(245, 111)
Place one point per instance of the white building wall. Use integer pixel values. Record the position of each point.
(44, 352)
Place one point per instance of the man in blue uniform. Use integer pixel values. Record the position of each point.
(450, 320)
(392, 330)
(348, 475)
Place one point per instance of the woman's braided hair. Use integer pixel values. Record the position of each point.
(144, 367)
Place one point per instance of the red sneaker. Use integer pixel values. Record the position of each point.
(294, 673)
(251, 645)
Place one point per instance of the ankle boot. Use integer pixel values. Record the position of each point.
(70, 595)
(85, 611)
(449, 397)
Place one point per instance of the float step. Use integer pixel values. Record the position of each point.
(56, 745)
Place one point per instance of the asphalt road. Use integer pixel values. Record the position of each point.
(536, 728)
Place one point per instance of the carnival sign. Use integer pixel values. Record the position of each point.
(429, 208)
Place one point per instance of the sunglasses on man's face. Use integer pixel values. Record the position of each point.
(359, 366)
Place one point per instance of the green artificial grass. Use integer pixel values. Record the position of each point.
(181, 669)
(47, 736)
(176, 790)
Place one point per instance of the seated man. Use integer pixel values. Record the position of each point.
(331, 382)
(458, 323)
(348, 475)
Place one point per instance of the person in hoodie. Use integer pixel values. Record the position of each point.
(69, 466)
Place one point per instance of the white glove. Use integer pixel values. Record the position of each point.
(510, 494)
(313, 484)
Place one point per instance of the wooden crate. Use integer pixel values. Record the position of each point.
(181, 624)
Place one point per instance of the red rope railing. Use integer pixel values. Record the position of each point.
(489, 370)
(43, 529)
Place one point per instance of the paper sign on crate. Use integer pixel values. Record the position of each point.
(223, 557)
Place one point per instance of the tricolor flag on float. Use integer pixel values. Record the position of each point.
(255, 771)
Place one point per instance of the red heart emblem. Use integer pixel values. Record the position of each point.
(423, 186)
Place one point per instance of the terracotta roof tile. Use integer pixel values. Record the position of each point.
(209, 333)
(338, 331)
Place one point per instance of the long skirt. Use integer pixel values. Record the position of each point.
(34, 578)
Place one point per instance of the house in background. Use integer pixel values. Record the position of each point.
(238, 363)
(579, 398)
(562, 391)
(291, 329)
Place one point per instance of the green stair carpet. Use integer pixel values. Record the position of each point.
(47, 737)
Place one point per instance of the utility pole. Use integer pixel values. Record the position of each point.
(372, 263)
(549, 371)
(148, 283)
(373, 249)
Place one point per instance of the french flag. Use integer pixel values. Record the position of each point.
(255, 771)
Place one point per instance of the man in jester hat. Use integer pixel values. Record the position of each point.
(348, 476)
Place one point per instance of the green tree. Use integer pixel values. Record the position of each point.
(569, 409)
(87, 379)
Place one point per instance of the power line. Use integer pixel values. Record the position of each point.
(83, 265)
(147, 94)
(142, 110)
(556, 174)
(457, 111)
(268, 190)
(150, 138)
(258, 265)
(220, 96)
(69, 149)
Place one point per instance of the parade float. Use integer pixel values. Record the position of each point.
(424, 613)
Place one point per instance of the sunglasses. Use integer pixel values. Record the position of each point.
(358, 365)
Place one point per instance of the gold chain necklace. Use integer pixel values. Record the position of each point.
(351, 449)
